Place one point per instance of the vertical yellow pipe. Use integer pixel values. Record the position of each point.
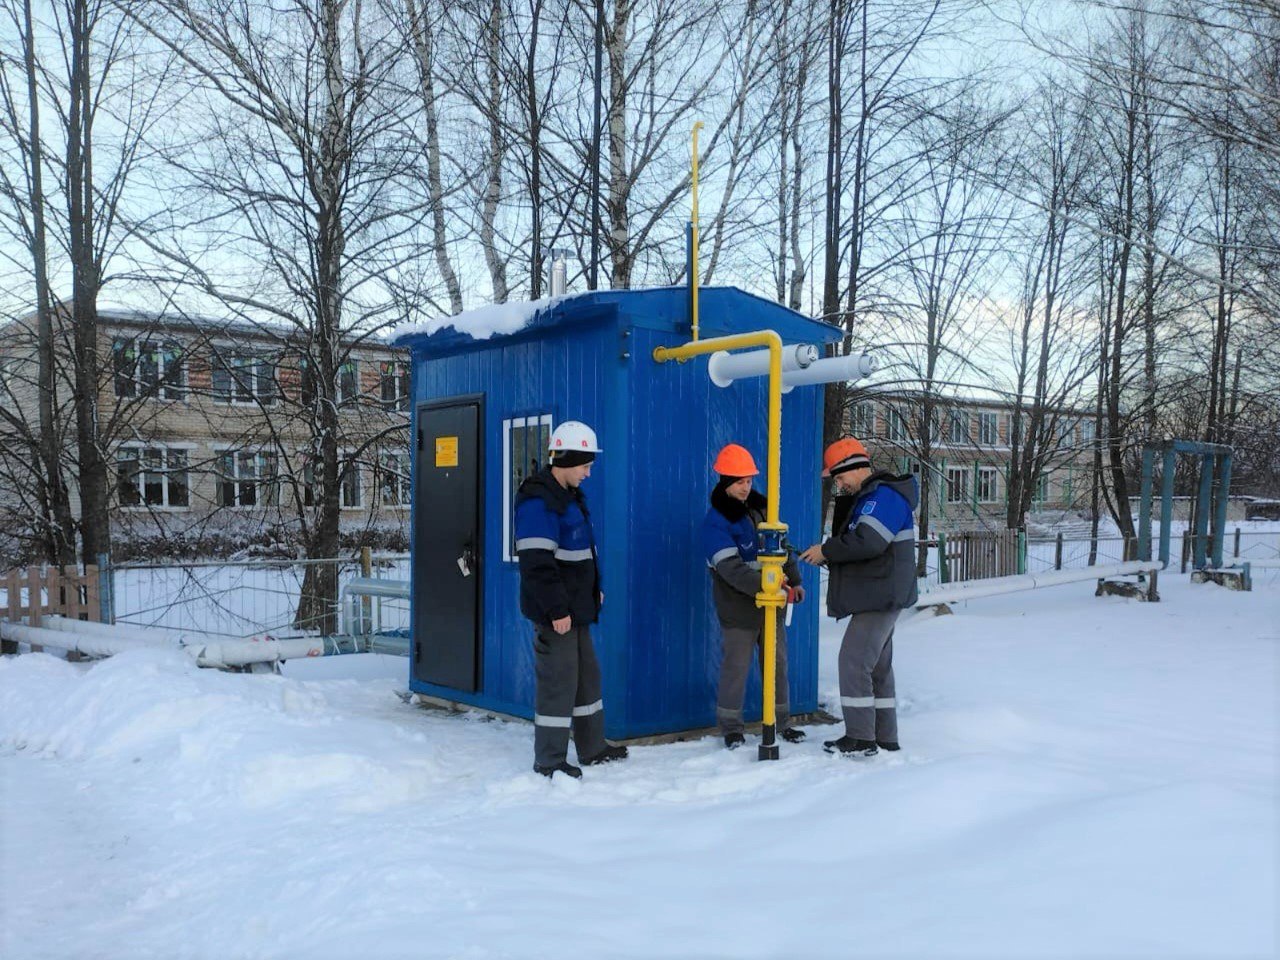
(694, 278)
(771, 597)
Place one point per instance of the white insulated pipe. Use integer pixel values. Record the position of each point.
(241, 653)
(725, 367)
(90, 645)
(152, 635)
(853, 366)
(104, 640)
(974, 589)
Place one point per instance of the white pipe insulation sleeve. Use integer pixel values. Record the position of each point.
(724, 367)
(91, 645)
(152, 634)
(853, 366)
(240, 653)
(995, 586)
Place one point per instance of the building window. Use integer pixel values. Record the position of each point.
(148, 368)
(1087, 432)
(395, 479)
(1019, 429)
(1041, 492)
(864, 419)
(1066, 432)
(988, 429)
(349, 490)
(243, 378)
(348, 381)
(393, 381)
(153, 477)
(958, 427)
(957, 484)
(988, 481)
(246, 478)
(524, 451)
(896, 424)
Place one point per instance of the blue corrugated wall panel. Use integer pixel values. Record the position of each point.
(561, 375)
(683, 419)
(659, 426)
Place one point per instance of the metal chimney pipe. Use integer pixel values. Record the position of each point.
(559, 273)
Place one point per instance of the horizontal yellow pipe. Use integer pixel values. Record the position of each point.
(770, 598)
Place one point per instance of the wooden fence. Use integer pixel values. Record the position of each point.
(49, 591)
(976, 555)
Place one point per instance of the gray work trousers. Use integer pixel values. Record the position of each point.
(741, 645)
(866, 677)
(568, 696)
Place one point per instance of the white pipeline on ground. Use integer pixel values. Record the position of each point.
(104, 640)
(994, 586)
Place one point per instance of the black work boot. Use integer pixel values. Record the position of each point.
(609, 754)
(847, 746)
(732, 741)
(793, 735)
(890, 745)
(564, 766)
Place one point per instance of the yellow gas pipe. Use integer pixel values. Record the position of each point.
(771, 597)
(693, 278)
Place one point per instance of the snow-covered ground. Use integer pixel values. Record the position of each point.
(1080, 777)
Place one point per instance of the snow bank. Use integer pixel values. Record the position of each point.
(1080, 777)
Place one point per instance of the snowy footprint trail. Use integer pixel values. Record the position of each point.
(1080, 778)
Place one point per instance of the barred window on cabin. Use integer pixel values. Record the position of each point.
(524, 454)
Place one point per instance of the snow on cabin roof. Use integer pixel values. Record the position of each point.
(486, 322)
(501, 319)
(507, 319)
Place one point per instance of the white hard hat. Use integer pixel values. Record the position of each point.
(573, 436)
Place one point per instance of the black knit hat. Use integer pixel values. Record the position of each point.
(571, 458)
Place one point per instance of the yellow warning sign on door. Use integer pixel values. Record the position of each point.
(446, 451)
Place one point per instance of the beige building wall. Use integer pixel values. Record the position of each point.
(970, 459)
(191, 461)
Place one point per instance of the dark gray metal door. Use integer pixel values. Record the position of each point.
(447, 561)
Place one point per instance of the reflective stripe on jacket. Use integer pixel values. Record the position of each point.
(871, 555)
(559, 567)
(731, 547)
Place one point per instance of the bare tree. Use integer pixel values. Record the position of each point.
(1053, 357)
(302, 170)
(66, 189)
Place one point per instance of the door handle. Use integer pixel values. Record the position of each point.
(466, 560)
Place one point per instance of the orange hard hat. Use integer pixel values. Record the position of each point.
(845, 454)
(734, 461)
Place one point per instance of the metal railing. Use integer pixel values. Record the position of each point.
(254, 598)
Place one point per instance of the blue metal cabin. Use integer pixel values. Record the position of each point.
(482, 409)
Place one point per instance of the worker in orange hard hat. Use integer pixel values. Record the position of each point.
(871, 559)
(729, 541)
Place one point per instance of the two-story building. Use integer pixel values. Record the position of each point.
(969, 450)
(209, 424)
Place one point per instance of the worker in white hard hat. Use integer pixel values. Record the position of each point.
(560, 593)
